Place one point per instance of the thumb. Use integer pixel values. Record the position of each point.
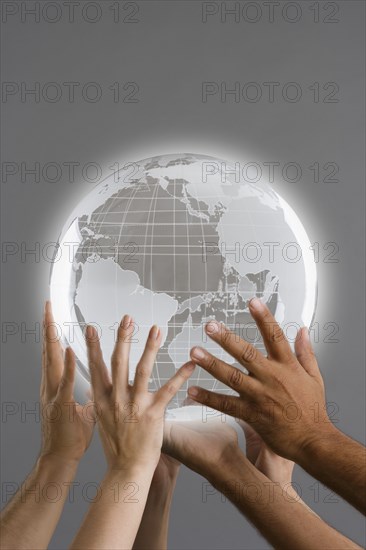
(305, 353)
(66, 386)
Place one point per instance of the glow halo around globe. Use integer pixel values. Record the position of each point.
(177, 240)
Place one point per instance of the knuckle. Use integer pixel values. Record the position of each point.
(236, 379)
(142, 373)
(64, 382)
(93, 365)
(277, 334)
(182, 375)
(225, 336)
(212, 364)
(226, 406)
(170, 389)
(280, 379)
(249, 353)
(116, 361)
(267, 317)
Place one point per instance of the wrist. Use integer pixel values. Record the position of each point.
(162, 490)
(219, 471)
(319, 443)
(50, 461)
(136, 470)
(232, 477)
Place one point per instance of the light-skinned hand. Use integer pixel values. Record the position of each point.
(201, 446)
(67, 426)
(130, 418)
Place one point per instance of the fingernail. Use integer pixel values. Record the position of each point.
(212, 327)
(154, 332)
(305, 334)
(47, 306)
(126, 321)
(256, 304)
(193, 392)
(198, 353)
(89, 331)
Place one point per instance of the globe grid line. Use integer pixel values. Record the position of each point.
(217, 286)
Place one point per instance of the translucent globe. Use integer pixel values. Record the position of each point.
(178, 240)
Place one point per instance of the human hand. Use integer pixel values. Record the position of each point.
(283, 396)
(165, 475)
(201, 446)
(67, 426)
(153, 529)
(130, 419)
(275, 467)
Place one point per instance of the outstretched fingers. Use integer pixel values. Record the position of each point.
(273, 337)
(227, 404)
(66, 387)
(229, 375)
(305, 354)
(100, 379)
(146, 364)
(244, 352)
(53, 361)
(121, 354)
(171, 388)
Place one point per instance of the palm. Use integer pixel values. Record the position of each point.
(275, 467)
(197, 444)
(85, 425)
(165, 472)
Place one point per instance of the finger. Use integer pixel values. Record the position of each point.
(189, 402)
(229, 375)
(53, 361)
(66, 386)
(274, 339)
(228, 404)
(246, 354)
(253, 441)
(171, 388)
(44, 367)
(305, 353)
(100, 379)
(89, 412)
(145, 365)
(121, 353)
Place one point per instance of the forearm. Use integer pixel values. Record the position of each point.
(31, 517)
(285, 522)
(153, 530)
(114, 518)
(338, 462)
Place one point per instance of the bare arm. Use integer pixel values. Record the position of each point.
(286, 525)
(131, 423)
(153, 530)
(340, 463)
(30, 518)
(284, 400)
(211, 449)
(114, 518)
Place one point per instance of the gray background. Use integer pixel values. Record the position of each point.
(169, 52)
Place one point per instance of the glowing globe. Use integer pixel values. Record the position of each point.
(176, 241)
